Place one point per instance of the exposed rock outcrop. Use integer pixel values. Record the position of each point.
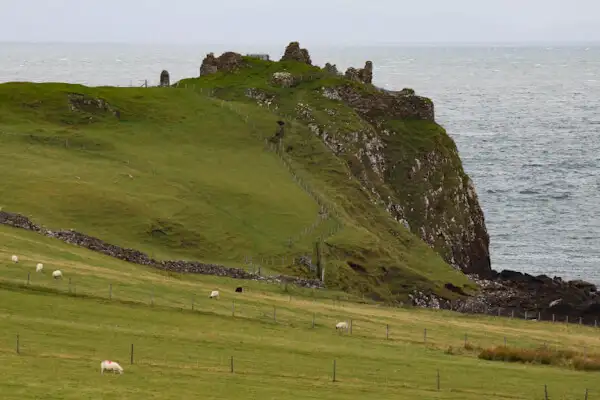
(425, 187)
(293, 52)
(512, 293)
(137, 257)
(519, 295)
(364, 75)
(83, 103)
(283, 79)
(378, 105)
(226, 62)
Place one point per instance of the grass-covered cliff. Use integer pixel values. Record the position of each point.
(184, 172)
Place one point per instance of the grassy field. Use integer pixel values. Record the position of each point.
(184, 353)
(182, 175)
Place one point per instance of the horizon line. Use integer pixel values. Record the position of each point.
(347, 45)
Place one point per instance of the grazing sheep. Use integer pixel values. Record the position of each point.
(238, 290)
(15, 259)
(341, 325)
(214, 293)
(39, 267)
(57, 274)
(110, 366)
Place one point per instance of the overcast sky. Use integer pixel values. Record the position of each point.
(308, 21)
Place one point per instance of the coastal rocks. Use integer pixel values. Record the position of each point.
(283, 79)
(364, 75)
(374, 105)
(137, 257)
(262, 98)
(293, 52)
(424, 189)
(91, 105)
(226, 62)
(512, 293)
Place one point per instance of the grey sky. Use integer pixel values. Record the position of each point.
(309, 21)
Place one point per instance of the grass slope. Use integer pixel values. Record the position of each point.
(184, 175)
(180, 353)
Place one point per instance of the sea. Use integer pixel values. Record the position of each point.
(526, 120)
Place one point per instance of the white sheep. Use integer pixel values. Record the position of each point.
(110, 366)
(15, 259)
(39, 267)
(57, 274)
(214, 293)
(341, 325)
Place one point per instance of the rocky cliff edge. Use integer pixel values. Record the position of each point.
(405, 161)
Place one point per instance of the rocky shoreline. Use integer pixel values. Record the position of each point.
(519, 295)
(137, 257)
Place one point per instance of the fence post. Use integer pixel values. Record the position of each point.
(110, 291)
(525, 314)
(28, 277)
(539, 316)
(387, 331)
(131, 355)
(586, 394)
(313, 321)
(545, 392)
(425, 335)
(580, 320)
(152, 297)
(567, 319)
(232, 364)
(192, 302)
(233, 308)
(553, 318)
(438, 380)
(351, 326)
(274, 313)
(69, 285)
(18, 350)
(334, 370)
(465, 340)
(595, 323)
(512, 314)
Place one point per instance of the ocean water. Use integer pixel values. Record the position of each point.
(525, 120)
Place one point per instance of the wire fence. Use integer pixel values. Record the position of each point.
(297, 315)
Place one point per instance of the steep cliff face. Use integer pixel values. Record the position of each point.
(410, 165)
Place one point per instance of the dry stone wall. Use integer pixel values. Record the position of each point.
(138, 257)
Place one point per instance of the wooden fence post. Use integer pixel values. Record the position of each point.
(334, 370)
